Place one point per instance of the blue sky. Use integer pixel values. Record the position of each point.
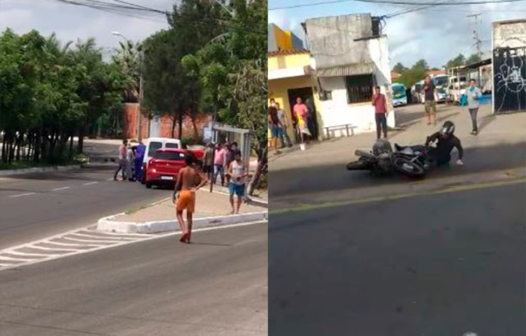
(436, 34)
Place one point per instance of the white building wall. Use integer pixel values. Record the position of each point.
(338, 112)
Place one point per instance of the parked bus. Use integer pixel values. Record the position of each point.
(399, 94)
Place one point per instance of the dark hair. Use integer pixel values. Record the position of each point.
(189, 159)
(277, 104)
(234, 144)
(272, 100)
(377, 87)
(125, 141)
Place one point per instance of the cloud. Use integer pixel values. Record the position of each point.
(71, 23)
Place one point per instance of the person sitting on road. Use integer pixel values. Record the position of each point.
(447, 141)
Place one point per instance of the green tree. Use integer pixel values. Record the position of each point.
(421, 65)
(399, 68)
(460, 60)
(474, 58)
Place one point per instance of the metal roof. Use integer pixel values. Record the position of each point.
(347, 70)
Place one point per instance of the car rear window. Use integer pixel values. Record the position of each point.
(173, 156)
(154, 146)
(172, 145)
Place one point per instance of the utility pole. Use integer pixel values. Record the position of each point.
(141, 93)
(478, 42)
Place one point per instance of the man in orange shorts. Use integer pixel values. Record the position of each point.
(189, 181)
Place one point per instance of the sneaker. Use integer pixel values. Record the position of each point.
(474, 132)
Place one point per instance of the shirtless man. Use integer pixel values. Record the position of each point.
(189, 181)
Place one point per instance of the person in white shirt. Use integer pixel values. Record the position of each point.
(238, 172)
(473, 94)
(122, 160)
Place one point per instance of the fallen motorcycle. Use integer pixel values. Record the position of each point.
(411, 161)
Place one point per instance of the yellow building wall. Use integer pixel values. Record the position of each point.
(283, 40)
(288, 61)
(278, 90)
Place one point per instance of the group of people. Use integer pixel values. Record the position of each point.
(218, 159)
(194, 176)
(302, 121)
(470, 99)
(130, 161)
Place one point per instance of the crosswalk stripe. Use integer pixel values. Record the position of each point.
(72, 244)
(15, 252)
(51, 248)
(88, 240)
(102, 239)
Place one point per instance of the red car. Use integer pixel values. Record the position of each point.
(163, 168)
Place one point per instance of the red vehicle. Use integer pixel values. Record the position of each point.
(164, 167)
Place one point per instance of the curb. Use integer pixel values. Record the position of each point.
(38, 170)
(109, 225)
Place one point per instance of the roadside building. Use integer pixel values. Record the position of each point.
(290, 77)
(350, 56)
(509, 66)
(279, 39)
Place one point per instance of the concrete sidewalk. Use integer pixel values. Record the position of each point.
(212, 209)
(493, 130)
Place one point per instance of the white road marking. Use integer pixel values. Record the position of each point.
(20, 195)
(101, 239)
(110, 179)
(89, 183)
(59, 189)
(101, 245)
(71, 244)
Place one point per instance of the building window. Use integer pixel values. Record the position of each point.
(359, 88)
(325, 95)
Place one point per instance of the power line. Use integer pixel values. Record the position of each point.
(398, 2)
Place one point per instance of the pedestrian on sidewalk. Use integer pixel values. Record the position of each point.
(430, 102)
(473, 94)
(122, 161)
(208, 163)
(380, 112)
(139, 158)
(239, 171)
(219, 163)
(283, 121)
(274, 125)
(189, 181)
(301, 113)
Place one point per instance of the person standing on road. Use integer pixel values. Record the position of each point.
(473, 94)
(139, 158)
(122, 160)
(130, 159)
(282, 116)
(239, 171)
(430, 102)
(219, 163)
(189, 181)
(208, 163)
(380, 112)
(274, 125)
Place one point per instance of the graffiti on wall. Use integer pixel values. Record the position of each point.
(510, 79)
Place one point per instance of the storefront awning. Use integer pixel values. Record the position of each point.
(347, 70)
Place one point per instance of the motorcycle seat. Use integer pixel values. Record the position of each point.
(398, 147)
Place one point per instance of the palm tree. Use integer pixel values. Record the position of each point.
(129, 58)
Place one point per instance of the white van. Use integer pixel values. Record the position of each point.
(153, 144)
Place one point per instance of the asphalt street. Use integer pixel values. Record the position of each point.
(433, 265)
(334, 176)
(42, 204)
(216, 286)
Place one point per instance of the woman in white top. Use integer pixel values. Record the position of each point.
(238, 172)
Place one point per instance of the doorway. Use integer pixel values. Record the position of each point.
(307, 97)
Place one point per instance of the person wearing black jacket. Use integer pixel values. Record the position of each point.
(446, 142)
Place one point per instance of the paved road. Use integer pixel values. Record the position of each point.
(216, 286)
(39, 205)
(428, 266)
(334, 176)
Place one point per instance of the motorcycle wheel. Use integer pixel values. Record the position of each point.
(408, 168)
(358, 165)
